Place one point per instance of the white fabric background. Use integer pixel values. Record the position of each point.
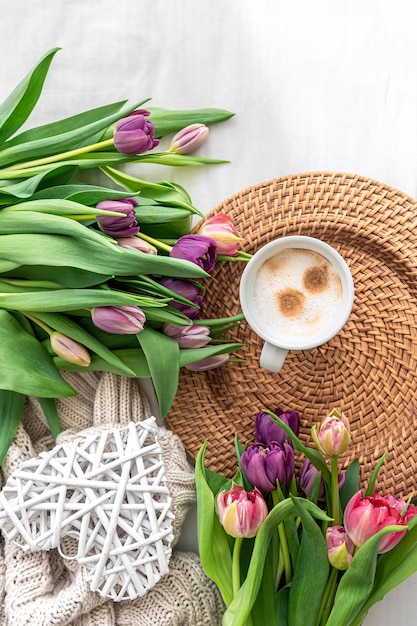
(324, 85)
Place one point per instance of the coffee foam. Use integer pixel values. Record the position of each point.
(298, 293)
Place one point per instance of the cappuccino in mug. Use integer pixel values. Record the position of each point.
(298, 293)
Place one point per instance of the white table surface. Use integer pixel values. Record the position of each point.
(324, 85)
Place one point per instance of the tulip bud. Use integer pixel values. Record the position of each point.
(209, 363)
(333, 436)
(69, 350)
(340, 548)
(134, 243)
(187, 336)
(117, 225)
(119, 320)
(199, 250)
(187, 290)
(241, 512)
(189, 139)
(268, 430)
(365, 516)
(135, 134)
(220, 228)
(263, 466)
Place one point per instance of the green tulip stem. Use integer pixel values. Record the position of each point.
(283, 544)
(154, 242)
(44, 327)
(241, 256)
(236, 565)
(108, 143)
(334, 481)
(327, 599)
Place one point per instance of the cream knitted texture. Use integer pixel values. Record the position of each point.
(42, 589)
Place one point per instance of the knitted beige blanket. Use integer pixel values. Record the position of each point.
(41, 588)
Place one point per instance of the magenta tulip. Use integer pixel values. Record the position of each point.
(366, 515)
(241, 512)
(197, 249)
(135, 134)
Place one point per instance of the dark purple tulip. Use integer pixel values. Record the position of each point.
(267, 430)
(135, 134)
(117, 226)
(264, 465)
(187, 290)
(308, 475)
(196, 248)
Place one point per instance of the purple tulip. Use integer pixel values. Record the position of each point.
(187, 336)
(187, 290)
(198, 249)
(209, 363)
(267, 430)
(307, 479)
(115, 225)
(265, 465)
(135, 134)
(119, 320)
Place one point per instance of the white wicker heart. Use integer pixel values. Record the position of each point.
(107, 490)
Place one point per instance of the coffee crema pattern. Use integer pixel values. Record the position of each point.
(297, 292)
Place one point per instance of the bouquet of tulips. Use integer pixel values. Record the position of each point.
(307, 551)
(101, 277)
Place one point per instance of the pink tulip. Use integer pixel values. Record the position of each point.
(189, 139)
(210, 363)
(340, 547)
(366, 515)
(333, 436)
(241, 512)
(220, 228)
(187, 336)
(134, 243)
(119, 320)
(70, 350)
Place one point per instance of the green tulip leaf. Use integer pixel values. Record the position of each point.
(24, 187)
(18, 106)
(356, 584)
(26, 366)
(12, 404)
(63, 276)
(162, 354)
(66, 326)
(80, 193)
(62, 136)
(172, 120)
(50, 411)
(192, 355)
(93, 256)
(311, 571)
(241, 606)
(213, 542)
(133, 359)
(351, 484)
(392, 569)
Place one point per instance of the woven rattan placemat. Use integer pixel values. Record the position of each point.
(369, 370)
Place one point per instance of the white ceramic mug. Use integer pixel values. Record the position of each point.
(296, 293)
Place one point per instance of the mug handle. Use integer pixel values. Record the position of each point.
(272, 357)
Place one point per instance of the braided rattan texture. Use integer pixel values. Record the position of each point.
(368, 370)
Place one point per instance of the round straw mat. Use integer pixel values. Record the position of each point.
(368, 370)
